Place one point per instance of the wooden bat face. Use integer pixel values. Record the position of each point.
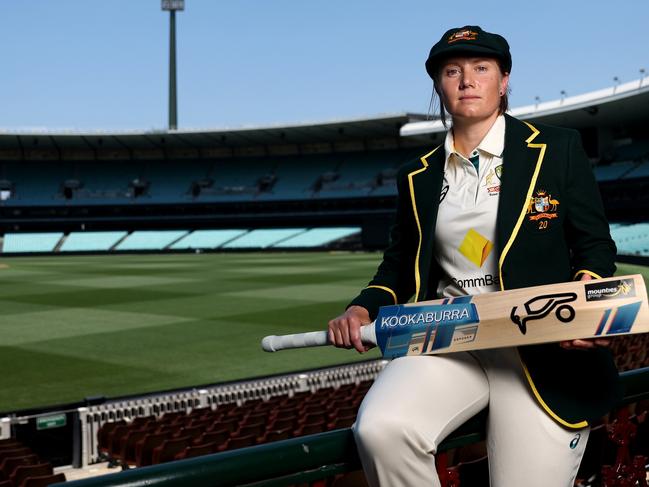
(565, 311)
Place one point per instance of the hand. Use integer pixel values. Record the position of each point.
(588, 343)
(345, 330)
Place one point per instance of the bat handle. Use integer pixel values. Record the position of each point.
(273, 343)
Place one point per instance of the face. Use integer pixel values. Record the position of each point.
(471, 86)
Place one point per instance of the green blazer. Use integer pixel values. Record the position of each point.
(536, 245)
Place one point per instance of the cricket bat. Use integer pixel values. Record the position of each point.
(541, 314)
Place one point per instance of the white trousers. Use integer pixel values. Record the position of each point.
(417, 401)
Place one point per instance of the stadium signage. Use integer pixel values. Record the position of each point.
(50, 422)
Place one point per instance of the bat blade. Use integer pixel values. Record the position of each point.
(526, 316)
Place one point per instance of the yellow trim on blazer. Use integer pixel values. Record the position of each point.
(394, 295)
(530, 189)
(553, 415)
(586, 271)
(414, 210)
(512, 237)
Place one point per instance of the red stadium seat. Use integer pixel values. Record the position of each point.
(311, 428)
(275, 435)
(313, 418)
(115, 440)
(103, 434)
(11, 445)
(9, 464)
(280, 424)
(192, 432)
(43, 481)
(230, 424)
(239, 442)
(342, 422)
(24, 471)
(168, 450)
(127, 453)
(144, 448)
(251, 429)
(257, 417)
(219, 437)
(197, 451)
(19, 452)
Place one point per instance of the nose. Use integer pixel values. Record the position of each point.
(467, 80)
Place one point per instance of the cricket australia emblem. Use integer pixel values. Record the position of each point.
(542, 209)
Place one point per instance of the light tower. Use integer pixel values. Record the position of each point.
(172, 6)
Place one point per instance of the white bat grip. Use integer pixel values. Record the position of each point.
(273, 343)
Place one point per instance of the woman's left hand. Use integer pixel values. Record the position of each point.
(588, 343)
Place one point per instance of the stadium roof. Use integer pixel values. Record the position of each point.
(613, 106)
(620, 104)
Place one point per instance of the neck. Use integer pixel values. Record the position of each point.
(467, 134)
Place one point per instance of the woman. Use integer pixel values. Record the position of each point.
(501, 204)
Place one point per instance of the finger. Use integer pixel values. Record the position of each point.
(339, 342)
(566, 344)
(330, 332)
(583, 344)
(344, 331)
(602, 342)
(355, 336)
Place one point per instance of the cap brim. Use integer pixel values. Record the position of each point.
(461, 49)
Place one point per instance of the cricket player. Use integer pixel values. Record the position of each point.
(501, 204)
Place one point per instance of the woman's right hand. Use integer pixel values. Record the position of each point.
(345, 330)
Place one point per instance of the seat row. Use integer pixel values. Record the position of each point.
(21, 467)
(150, 440)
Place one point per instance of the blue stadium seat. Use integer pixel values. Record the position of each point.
(30, 242)
(91, 241)
(150, 239)
(317, 237)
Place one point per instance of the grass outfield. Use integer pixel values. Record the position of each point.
(74, 327)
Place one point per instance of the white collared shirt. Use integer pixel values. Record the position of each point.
(465, 234)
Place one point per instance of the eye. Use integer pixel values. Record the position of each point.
(452, 72)
(481, 68)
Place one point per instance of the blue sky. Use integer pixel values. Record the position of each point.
(90, 64)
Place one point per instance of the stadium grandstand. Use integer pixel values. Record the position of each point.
(324, 186)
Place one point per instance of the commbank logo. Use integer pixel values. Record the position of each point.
(475, 247)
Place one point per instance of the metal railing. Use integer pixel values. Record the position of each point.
(298, 459)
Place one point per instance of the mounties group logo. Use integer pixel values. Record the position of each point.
(597, 291)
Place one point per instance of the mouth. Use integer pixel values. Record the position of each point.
(469, 97)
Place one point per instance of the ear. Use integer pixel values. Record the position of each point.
(504, 83)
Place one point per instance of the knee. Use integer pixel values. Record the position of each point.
(379, 433)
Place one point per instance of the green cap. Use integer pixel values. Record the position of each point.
(469, 40)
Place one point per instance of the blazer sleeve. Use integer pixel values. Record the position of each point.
(587, 229)
(394, 281)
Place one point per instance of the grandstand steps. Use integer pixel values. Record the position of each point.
(59, 244)
(223, 244)
(289, 237)
(118, 243)
(171, 244)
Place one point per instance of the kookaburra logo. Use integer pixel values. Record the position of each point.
(541, 306)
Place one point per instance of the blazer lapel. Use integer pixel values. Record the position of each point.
(522, 160)
(425, 188)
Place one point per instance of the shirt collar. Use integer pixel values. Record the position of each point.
(493, 143)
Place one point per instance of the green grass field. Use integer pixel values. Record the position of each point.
(81, 326)
(74, 327)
